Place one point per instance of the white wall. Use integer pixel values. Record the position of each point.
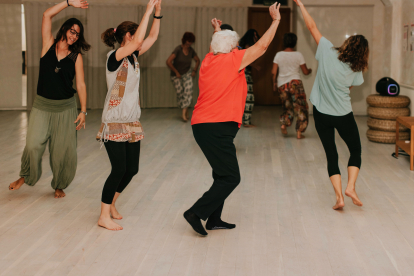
(402, 62)
(10, 56)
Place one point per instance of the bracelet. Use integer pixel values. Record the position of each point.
(158, 17)
(84, 112)
(67, 1)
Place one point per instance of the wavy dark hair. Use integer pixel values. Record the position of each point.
(289, 40)
(110, 36)
(80, 46)
(355, 52)
(249, 38)
(190, 37)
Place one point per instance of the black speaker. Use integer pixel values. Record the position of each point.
(388, 87)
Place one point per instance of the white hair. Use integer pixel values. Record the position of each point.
(224, 41)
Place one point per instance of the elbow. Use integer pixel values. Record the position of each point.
(46, 15)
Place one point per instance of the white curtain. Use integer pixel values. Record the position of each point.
(10, 56)
(156, 89)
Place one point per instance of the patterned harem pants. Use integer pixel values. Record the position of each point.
(248, 109)
(294, 102)
(184, 88)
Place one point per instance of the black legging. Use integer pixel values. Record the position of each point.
(216, 142)
(124, 159)
(347, 129)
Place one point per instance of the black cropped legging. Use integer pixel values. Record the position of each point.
(124, 159)
(347, 129)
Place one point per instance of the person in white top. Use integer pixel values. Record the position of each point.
(288, 82)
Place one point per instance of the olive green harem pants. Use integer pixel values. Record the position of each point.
(51, 121)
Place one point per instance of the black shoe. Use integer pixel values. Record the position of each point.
(195, 222)
(216, 225)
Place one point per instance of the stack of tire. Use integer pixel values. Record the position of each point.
(383, 112)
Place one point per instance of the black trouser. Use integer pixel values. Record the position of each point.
(124, 159)
(216, 142)
(347, 129)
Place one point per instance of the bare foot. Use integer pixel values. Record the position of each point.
(115, 213)
(184, 119)
(284, 130)
(299, 135)
(249, 126)
(109, 224)
(59, 193)
(339, 203)
(16, 184)
(352, 194)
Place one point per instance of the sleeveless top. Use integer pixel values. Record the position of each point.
(120, 117)
(56, 77)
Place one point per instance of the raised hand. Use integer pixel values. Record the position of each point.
(298, 2)
(274, 11)
(83, 4)
(158, 5)
(216, 23)
(150, 5)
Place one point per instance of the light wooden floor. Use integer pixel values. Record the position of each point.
(282, 208)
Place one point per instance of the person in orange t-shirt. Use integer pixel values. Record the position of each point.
(217, 117)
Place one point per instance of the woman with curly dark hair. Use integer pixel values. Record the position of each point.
(339, 70)
(54, 113)
(182, 76)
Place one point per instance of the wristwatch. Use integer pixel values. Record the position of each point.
(84, 112)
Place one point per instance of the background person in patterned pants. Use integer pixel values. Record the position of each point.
(181, 74)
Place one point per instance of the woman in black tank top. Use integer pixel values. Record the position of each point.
(54, 114)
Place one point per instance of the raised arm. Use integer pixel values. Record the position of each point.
(47, 37)
(310, 23)
(216, 23)
(137, 41)
(260, 47)
(155, 30)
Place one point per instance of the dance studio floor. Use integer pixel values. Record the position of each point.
(282, 208)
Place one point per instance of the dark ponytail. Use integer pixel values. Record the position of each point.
(108, 37)
(111, 36)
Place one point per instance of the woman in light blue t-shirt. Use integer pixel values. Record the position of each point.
(339, 70)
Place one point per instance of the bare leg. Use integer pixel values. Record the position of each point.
(113, 210)
(59, 193)
(184, 114)
(284, 130)
(187, 113)
(299, 135)
(16, 184)
(105, 218)
(337, 185)
(350, 189)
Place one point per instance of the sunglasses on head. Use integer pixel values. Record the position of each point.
(72, 31)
